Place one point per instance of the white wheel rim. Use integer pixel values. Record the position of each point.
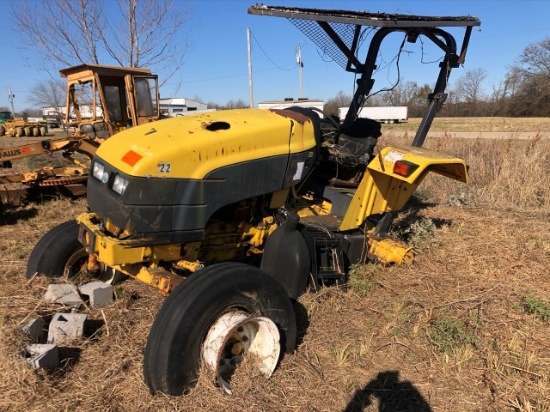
(235, 334)
(106, 274)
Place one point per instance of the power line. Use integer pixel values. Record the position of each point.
(223, 77)
(269, 58)
(511, 33)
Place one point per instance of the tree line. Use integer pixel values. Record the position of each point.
(524, 92)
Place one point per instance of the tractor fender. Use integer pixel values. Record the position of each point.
(286, 257)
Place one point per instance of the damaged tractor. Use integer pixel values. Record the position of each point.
(234, 214)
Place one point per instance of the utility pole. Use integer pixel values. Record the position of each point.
(300, 66)
(10, 98)
(250, 92)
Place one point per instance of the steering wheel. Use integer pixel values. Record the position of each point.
(337, 127)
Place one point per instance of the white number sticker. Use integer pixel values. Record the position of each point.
(299, 171)
(165, 167)
(393, 156)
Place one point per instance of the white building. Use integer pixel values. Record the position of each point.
(288, 102)
(179, 106)
(85, 111)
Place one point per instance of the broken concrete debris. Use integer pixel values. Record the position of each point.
(100, 294)
(66, 327)
(45, 356)
(64, 294)
(35, 329)
(63, 327)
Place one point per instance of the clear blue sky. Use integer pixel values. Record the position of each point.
(216, 66)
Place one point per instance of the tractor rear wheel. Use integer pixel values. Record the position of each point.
(2, 130)
(59, 254)
(217, 316)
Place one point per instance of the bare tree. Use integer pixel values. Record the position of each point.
(535, 59)
(402, 94)
(340, 100)
(530, 78)
(468, 86)
(49, 93)
(497, 104)
(234, 104)
(418, 101)
(136, 33)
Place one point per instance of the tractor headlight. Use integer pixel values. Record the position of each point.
(119, 184)
(98, 171)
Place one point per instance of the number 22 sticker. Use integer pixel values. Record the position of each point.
(164, 167)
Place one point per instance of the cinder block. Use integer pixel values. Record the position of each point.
(66, 326)
(45, 356)
(99, 293)
(63, 293)
(35, 329)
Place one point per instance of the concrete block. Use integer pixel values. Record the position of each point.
(66, 326)
(64, 294)
(99, 293)
(35, 329)
(45, 356)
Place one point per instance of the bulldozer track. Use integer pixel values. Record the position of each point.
(62, 181)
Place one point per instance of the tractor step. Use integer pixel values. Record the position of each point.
(327, 256)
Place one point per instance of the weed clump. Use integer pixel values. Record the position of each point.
(537, 307)
(361, 278)
(419, 233)
(447, 334)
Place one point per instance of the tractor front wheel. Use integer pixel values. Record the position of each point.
(59, 254)
(218, 315)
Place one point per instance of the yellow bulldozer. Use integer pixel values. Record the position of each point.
(101, 101)
(20, 127)
(233, 214)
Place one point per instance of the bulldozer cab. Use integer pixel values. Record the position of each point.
(103, 100)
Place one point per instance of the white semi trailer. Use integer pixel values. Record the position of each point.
(383, 114)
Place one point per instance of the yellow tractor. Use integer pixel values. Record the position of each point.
(101, 101)
(234, 214)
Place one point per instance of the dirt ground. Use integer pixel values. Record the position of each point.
(465, 328)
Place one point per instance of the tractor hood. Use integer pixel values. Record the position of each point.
(193, 146)
(165, 179)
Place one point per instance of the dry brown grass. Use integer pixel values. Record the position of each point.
(449, 333)
(478, 124)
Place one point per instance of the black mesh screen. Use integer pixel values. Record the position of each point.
(321, 39)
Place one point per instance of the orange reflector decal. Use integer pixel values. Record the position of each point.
(131, 158)
(404, 168)
(26, 149)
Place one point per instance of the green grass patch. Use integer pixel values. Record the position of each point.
(447, 334)
(537, 307)
(360, 278)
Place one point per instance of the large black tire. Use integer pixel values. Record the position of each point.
(59, 254)
(173, 352)
(54, 250)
